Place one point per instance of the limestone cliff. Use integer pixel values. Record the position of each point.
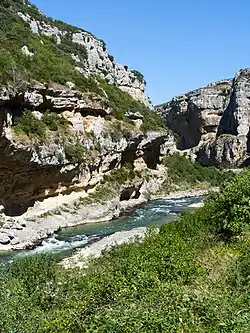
(69, 114)
(55, 140)
(213, 122)
(65, 145)
(38, 39)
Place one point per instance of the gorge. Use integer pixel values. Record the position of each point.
(117, 216)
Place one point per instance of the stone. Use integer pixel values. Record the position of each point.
(99, 61)
(71, 85)
(213, 122)
(133, 115)
(4, 239)
(26, 51)
(33, 98)
(15, 241)
(5, 95)
(38, 115)
(75, 58)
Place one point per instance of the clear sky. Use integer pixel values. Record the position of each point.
(178, 45)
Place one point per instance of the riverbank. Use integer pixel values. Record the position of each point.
(51, 215)
(81, 257)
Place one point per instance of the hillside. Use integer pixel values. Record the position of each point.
(69, 113)
(46, 50)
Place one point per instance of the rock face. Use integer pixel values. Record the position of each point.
(213, 122)
(76, 154)
(94, 60)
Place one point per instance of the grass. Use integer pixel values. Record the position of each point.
(101, 195)
(54, 122)
(189, 277)
(30, 125)
(122, 176)
(122, 103)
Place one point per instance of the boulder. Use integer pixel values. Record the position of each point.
(4, 239)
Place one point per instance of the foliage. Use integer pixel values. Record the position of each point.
(152, 121)
(75, 153)
(231, 213)
(183, 278)
(33, 127)
(68, 47)
(181, 170)
(122, 103)
(30, 125)
(53, 121)
(52, 62)
(101, 195)
(111, 185)
(122, 175)
(138, 75)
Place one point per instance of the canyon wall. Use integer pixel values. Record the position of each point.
(212, 123)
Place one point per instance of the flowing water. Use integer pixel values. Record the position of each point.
(62, 244)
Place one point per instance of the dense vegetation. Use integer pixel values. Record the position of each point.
(183, 172)
(191, 277)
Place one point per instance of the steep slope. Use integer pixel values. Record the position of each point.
(69, 113)
(213, 122)
(43, 49)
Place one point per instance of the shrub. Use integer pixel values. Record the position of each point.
(121, 103)
(152, 121)
(111, 58)
(122, 175)
(181, 170)
(138, 75)
(231, 214)
(75, 153)
(102, 194)
(53, 121)
(30, 125)
(183, 278)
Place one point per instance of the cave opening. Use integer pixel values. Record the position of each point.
(152, 157)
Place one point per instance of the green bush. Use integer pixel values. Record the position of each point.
(52, 63)
(138, 75)
(53, 121)
(30, 125)
(231, 213)
(181, 170)
(75, 153)
(101, 195)
(122, 175)
(152, 121)
(121, 103)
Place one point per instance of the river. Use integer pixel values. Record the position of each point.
(62, 244)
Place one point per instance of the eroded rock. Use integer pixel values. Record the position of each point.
(213, 122)
(4, 239)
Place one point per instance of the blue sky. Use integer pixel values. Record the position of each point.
(178, 45)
